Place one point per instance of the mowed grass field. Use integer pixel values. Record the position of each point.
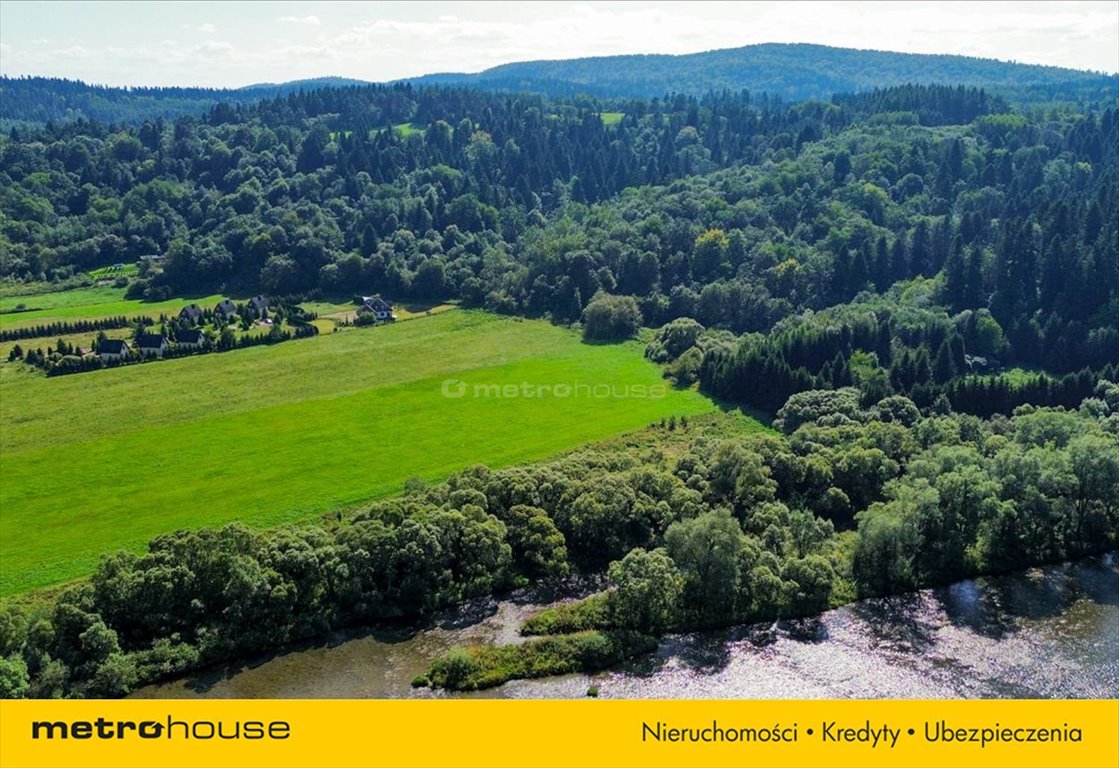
(88, 303)
(95, 462)
(77, 339)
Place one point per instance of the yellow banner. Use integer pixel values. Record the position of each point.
(526, 734)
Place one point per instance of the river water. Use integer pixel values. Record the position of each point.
(1049, 632)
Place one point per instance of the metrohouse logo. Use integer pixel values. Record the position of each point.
(202, 730)
(456, 388)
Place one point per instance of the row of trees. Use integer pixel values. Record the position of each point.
(67, 327)
(729, 530)
(64, 358)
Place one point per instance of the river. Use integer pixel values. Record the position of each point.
(1049, 632)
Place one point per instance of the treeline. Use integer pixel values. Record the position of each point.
(929, 104)
(66, 327)
(719, 529)
(54, 99)
(64, 358)
(884, 347)
(941, 498)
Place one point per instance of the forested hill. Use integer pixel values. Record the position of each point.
(973, 234)
(43, 99)
(792, 71)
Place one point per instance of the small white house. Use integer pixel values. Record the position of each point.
(114, 350)
(192, 339)
(378, 307)
(152, 344)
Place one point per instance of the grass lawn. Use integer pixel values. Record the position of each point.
(100, 461)
(88, 303)
(85, 339)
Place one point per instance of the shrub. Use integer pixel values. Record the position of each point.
(611, 318)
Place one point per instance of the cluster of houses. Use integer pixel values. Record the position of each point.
(191, 338)
(148, 345)
(226, 310)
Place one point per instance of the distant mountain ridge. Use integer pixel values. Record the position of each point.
(793, 71)
(43, 99)
(311, 82)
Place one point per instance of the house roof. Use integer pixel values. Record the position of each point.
(193, 336)
(113, 346)
(375, 304)
(151, 340)
(225, 305)
(194, 311)
(258, 301)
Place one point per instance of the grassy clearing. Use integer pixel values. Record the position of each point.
(345, 310)
(88, 303)
(611, 118)
(85, 339)
(1020, 375)
(1015, 376)
(407, 129)
(106, 460)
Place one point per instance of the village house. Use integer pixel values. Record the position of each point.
(225, 309)
(192, 314)
(258, 305)
(378, 307)
(114, 350)
(152, 344)
(191, 339)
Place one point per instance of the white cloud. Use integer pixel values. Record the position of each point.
(214, 48)
(311, 21)
(73, 52)
(405, 43)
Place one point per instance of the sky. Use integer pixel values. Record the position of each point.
(231, 44)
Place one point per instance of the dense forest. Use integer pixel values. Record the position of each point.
(969, 234)
(697, 525)
(53, 99)
(793, 71)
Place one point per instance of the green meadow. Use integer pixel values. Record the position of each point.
(95, 462)
(103, 301)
